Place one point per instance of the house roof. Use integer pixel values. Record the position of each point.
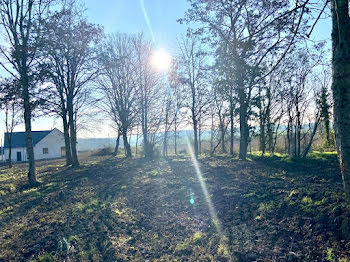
(19, 138)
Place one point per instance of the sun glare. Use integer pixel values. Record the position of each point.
(161, 60)
(212, 211)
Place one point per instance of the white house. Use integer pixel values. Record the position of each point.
(47, 145)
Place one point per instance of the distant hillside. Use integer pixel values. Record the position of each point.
(87, 144)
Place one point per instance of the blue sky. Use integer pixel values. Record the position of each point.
(127, 16)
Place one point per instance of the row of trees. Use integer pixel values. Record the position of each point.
(290, 102)
(50, 58)
(260, 34)
(66, 57)
(133, 91)
(245, 63)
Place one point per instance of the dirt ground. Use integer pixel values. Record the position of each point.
(115, 209)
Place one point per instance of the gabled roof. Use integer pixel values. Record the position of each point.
(19, 138)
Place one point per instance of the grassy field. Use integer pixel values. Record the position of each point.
(115, 209)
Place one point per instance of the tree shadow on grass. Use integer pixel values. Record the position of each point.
(36, 218)
(277, 199)
(324, 166)
(123, 210)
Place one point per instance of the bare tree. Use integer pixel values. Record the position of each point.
(167, 120)
(21, 22)
(223, 115)
(174, 95)
(225, 77)
(118, 82)
(70, 64)
(270, 105)
(193, 67)
(177, 86)
(302, 106)
(323, 79)
(149, 93)
(256, 32)
(10, 99)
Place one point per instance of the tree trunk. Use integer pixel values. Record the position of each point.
(327, 124)
(147, 148)
(232, 131)
(9, 140)
(270, 137)
(275, 137)
(262, 125)
(290, 135)
(222, 131)
(298, 133)
(244, 131)
(126, 144)
(73, 133)
(341, 85)
(175, 138)
(195, 139)
(269, 125)
(199, 138)
(286, 143)
(165, 142)
(212, 134)
(117, 142)
(28, 128)
(295, 141)
(67, 140)
(9, 130)
(262, 135)
(137, 141)
(195, 134)
(307, 149)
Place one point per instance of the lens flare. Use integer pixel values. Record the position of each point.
(211, 207)
(212, 211)
(145, 15)
(192, 198)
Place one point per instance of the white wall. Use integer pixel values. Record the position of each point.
(53, 141)
(14, 151)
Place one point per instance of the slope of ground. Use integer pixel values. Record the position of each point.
(266, 209)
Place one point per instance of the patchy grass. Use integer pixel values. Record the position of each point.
(311, 157)
(270, 208)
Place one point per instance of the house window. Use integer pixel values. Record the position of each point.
(45, 150)
(63, 151)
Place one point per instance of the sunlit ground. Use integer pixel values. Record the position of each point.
(214, 209)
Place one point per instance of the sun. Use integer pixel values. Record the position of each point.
(161, 59)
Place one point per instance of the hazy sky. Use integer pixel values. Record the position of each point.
(130, 16)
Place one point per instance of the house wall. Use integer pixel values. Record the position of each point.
(53, 142)
(23, 151)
